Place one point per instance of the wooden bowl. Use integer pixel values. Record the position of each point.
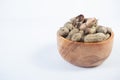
(84, 54)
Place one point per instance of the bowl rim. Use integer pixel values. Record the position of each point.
(101, 42)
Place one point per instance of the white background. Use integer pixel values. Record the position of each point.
(28, 48)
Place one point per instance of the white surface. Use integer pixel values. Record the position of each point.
(28, 39)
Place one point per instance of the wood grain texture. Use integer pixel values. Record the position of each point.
(84, 54)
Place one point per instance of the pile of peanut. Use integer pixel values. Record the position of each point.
(83, 29)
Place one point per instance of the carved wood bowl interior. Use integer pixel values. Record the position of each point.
(84, 54)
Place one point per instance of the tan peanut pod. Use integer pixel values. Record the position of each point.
(91, 22)
(94, 37)
(76, 37)
(109, 30)
(101, 29)
(107, 35)
(90, 30)
(75, 30)
(83, 26)
(63, 31)
(69, 25)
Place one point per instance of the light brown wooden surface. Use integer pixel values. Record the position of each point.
(84, 54)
